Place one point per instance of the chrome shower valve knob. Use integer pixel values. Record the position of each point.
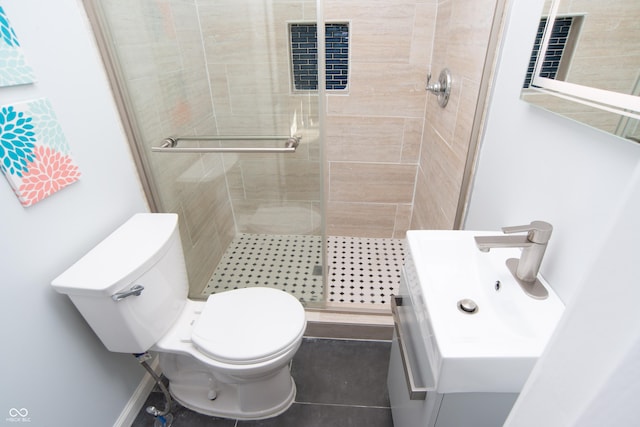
(442, 87)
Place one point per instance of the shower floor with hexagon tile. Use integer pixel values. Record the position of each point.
(362, 271)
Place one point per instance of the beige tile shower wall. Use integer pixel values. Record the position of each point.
(373, 132)
(247, 52)
(461, 36)
(159, 46)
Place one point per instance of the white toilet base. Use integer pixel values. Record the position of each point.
(228, 390)
(246, 401)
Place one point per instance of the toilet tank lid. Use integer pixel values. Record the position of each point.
(120, 258)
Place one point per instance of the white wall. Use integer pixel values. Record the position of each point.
(590, 374)
(535, 165)
(52, 364)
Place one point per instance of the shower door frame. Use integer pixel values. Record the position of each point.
(131, 126)
(481, 110)
(123, 103)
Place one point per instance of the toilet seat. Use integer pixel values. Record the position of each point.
(249, 325)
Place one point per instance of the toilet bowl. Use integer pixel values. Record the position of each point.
(228, 356)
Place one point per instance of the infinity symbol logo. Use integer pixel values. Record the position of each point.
(22, 412)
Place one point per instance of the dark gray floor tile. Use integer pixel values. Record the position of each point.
(310, 415)
(342, 372)
(341, 383)
(187, 418)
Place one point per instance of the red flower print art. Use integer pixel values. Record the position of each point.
(49, 172)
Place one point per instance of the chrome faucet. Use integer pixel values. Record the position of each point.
(533, 244)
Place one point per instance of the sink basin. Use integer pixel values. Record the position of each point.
(494, 348)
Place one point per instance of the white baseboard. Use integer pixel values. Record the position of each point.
(139, 396)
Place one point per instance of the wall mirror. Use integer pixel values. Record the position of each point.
(585, 64)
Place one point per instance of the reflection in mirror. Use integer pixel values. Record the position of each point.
(585, 64)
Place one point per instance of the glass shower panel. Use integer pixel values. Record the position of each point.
(223, 68)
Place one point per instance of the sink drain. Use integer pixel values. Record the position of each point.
(467, 306)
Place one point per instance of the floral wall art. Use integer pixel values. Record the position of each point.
(14, 69)
(34, 153)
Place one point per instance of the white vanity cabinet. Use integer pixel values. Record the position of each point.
(474, 409)
(445, 410)
(467, 333)
(427, 407)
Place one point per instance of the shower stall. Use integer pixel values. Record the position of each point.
(296, 154)
(222, 106)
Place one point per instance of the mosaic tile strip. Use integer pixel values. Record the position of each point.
(555, 49)
(337, 56)
(304, 56)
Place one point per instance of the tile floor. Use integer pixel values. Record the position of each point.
(340, 383)
(363, 272)
(284, 262)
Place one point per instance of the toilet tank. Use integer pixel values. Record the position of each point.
(145, 251)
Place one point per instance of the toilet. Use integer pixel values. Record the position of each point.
(228, 356)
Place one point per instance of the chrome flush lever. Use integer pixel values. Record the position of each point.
(442, 88)
(134, 290)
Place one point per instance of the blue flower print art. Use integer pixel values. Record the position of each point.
(17, 141)
(14, 69)
(35, 156)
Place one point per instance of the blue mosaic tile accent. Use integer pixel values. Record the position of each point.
(304, 56)
(337, 56)
(555, 49)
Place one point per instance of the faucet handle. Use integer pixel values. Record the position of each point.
(537, 232)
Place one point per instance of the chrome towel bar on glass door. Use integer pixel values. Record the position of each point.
(170, 145)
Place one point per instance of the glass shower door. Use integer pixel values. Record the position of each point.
(218, 74)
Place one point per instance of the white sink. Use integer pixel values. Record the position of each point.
(493, 349)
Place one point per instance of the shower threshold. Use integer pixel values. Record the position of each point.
(363, 272)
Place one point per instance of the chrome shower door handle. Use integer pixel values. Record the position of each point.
(134, 290)
(170, 144)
